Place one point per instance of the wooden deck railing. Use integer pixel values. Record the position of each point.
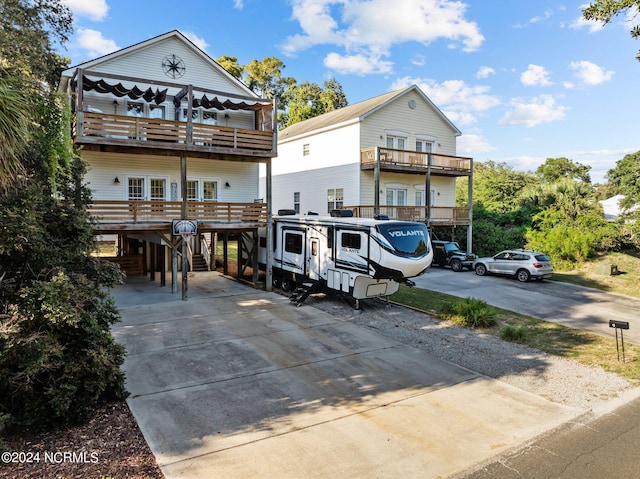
(391, 158)
(101, 127)
(445, 215)
(166, 211)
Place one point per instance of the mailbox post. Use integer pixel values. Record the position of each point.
(621, 325)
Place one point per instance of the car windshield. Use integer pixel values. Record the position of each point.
(542, 257)
(452, 247)
(410, 239)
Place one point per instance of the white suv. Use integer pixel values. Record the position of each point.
(522, 264)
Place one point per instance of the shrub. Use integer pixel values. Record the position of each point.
(58, 359)
(513, 333)
(470, 312)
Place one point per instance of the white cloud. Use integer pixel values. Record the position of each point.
(419, 60)
(239, 4)
(535, 75)
(95, 44)
(359, 64)
(484, 72)
(200, 42)
(590, 73)
(472, 145)
(459, 101)
(370, 27)
(591, 25)
(547, 14)
(542, 109)
(95, 10)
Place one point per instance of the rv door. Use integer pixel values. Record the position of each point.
(293, 242)
(313, 259)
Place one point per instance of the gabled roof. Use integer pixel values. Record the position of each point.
(90, 64)
(357, 111)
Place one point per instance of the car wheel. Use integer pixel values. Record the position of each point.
(456, 265)
(523, 275)
(481, 269)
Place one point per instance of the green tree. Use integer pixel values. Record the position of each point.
(31, 30)
(231, 65)
(332, 96)
(624, 179)
(605, 10)
(497, 187)
(265, 77)
(555, 169)
(58, 359)
(308, 100)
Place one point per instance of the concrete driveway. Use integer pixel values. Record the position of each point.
(238, 383)
(574, 306)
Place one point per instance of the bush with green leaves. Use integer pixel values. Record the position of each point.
(470, 312)
(58, 360)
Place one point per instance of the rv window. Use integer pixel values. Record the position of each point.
(330, 237)
(262, 242)
(410, 239)
(350, 240)
(293, 243)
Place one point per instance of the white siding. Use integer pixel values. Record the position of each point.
(334, 158)
(421, 120)
(104, 168)
(146, 63)
(327, 149)
(444, 188)
(313, 186)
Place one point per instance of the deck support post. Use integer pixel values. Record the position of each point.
(185, 264)
(376, 183)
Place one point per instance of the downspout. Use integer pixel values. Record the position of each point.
(470, 206)
(427, 193)
(376, 183)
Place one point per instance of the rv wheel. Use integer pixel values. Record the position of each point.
(286, 285)
(276, 282)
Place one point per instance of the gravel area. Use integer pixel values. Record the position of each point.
(556, 379)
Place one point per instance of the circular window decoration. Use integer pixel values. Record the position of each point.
(173, 66)
(412, 104)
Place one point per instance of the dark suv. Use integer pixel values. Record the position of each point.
(449, 253)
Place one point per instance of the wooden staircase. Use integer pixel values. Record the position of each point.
(198, 263)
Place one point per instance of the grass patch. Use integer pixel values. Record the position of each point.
(584, 347)
(625, 282)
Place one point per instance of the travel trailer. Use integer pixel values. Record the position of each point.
(361, 257)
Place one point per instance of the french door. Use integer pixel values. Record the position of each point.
(202, 189)
(146, 188)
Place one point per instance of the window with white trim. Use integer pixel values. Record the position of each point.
(296, 202)
(335, 199)
(192, 190)
(135, 109)
(396, 197)
(424, 146)
(305, 149)
(156, 111)
(396, 142)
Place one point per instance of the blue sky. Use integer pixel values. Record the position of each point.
(523, 81)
